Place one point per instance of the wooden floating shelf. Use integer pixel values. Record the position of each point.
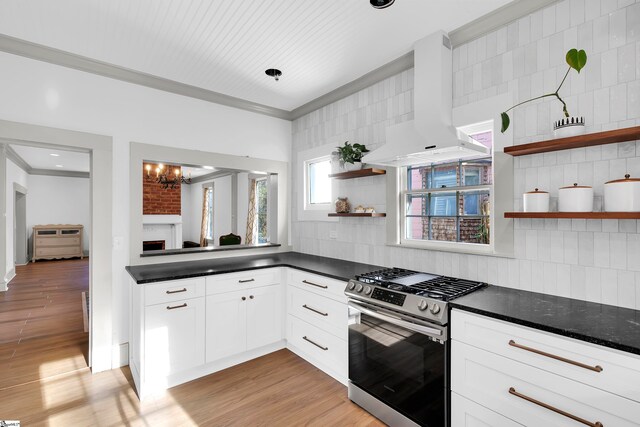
(361, 215)
(574, 215)
(360, 173)
(588, 140)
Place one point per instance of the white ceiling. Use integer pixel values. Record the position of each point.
(41, 158)
(226, 45)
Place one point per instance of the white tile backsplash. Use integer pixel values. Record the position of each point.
(589, 260)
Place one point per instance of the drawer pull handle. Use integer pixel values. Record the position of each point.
(315, 284)
(315, 343)
(177, 291)
(596, 368)
(176, 306)
(556, 410)
(246, 281)
(314, 310)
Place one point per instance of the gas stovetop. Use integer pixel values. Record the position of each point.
(422, 295)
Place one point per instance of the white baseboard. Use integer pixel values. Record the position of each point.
(4, 284)
(318, 364)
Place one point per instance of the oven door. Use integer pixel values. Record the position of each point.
(400, 361)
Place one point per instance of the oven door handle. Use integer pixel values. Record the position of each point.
(398, 322)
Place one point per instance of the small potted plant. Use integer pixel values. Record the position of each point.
(568, 125)
(351, 155)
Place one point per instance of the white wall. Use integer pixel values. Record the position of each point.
(243, 204)
(594, 260)
(49, 95)
(15, 174)
(58, 200)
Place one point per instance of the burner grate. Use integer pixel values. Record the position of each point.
(447, 288)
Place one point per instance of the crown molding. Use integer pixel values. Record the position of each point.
(82, 63)
(17, 159)
(389, 69)
(22, 164)
(466, 33)
(496, 19)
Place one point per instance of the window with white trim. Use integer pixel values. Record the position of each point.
(317, 193)
(448, 202)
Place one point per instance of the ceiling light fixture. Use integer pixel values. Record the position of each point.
(381, 4)
(164, 178)
(59, 166)
(54, 155)
(273, 72)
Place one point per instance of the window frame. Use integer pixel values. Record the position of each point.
(308, 206)
(317, 213)
(404, 192)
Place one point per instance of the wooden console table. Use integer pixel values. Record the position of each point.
(57, 241)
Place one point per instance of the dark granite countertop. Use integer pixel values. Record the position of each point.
(606, 325)
(330, 267)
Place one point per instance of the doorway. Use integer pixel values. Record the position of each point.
(20, 245)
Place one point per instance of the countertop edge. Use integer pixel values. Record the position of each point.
(546, 328)
(234, 270)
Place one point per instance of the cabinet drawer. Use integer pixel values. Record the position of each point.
(466, 413)
(221, 283)
(58, 251)
(174, 290)
(324, 349)
(620, 372)
(326, 313)
(58, 241)
(318, 284)
(487, 378)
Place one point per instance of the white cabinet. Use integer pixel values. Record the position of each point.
(174, 336)
(226, 325)
(317, 328)
(545, 380)
(470, 414)
(243, 320)
(167, 332)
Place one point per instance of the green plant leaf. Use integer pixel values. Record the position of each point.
(505, 122)
(577, 59)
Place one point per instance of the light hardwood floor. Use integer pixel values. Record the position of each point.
(47, 382)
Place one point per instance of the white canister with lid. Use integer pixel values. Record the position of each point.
(536, 201)
(575, 198)
(622, 195)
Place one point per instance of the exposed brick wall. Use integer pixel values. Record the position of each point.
(157, 200)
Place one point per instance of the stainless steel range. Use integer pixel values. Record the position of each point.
(398, 344)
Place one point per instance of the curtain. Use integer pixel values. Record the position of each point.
(251, 214)
(204, 224)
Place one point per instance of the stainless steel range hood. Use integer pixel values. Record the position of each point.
(430, 137)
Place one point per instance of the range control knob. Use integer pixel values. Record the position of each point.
(367, 290)
(352, 286)
(423, 305)
(435, 309)
(359, 288)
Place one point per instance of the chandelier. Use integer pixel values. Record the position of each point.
(164, 177)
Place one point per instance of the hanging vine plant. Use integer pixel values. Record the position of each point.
(576, 59)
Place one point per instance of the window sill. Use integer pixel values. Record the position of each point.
(460, 248)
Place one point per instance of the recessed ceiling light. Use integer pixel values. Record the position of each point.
(381, 4)
(54, 155)
(273, 72)
(59, 166)
(208, 167)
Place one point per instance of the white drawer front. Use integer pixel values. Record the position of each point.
(465, 413)
(324, 348)
(318, 284)
(326, 313)
(620, 372)
(220, 283)
(174, 290)
(487, 378)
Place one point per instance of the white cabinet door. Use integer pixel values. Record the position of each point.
(465, 413)
(174, 337)
(226, 324)
(264, 316)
